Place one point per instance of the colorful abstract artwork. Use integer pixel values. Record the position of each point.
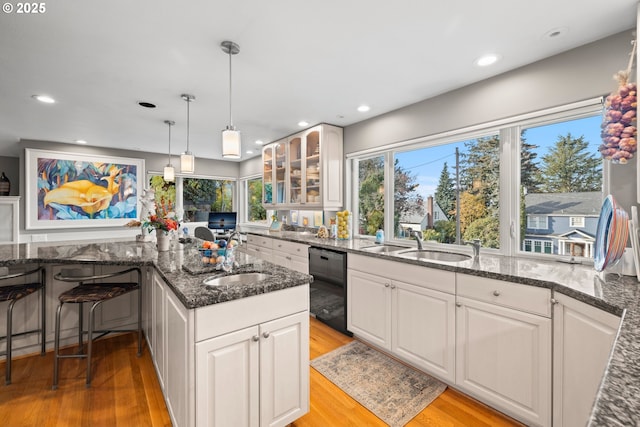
(73, 190)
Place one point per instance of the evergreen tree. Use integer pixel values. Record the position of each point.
(406, 199)
(569, 167)
(371, 195)
(480, 173)
(529, 171)
(445, 195)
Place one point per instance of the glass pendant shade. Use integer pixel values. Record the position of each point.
(187, 162)
(230, 143)
(169, 173)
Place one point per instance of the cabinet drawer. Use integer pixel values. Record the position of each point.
(520, 297)
(297, 249)
(263, 242)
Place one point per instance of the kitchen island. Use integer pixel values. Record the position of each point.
(219, 352)
(618, 399)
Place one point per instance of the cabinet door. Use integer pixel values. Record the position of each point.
(267, 175)
(313, 172)
(369, 307)
(295, 176)
(178, 363)
(299, 263)
(9, 214)
(503, 357)
(280, 189)
(284, 370)
(159, 337)
(227, 383)
(583, 337)
(423, 328)
(280, 259)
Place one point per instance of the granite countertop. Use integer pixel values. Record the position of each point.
(618, 402)
(174, 266)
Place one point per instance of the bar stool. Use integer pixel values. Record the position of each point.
(96, 294)
(13, 293)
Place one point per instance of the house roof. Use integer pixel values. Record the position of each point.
(584, 203)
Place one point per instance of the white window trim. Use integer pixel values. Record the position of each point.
(539, 219)
(576, 221)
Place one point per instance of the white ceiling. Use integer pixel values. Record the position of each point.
(299, 60)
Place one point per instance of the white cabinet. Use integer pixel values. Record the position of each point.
(260, 247)
(256, 376)
(9, 212)
(304, 170)
(583, 338)
(412, 314)
(294, 256)
(503, 346)
(172, 346)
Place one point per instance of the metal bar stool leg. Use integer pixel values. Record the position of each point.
(90, 340)
(7, 377)
(80, 327)
(56, 347)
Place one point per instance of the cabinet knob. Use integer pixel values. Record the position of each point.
(458, 304)
(554, 301)
(256, 338)
(265, 334)
(496, 293)
(386, 285)
(279, 246)
(393, 286)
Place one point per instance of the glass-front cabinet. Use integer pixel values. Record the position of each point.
(307, 172)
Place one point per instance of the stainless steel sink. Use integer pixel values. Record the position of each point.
(383, 249)
(236, 279)
(434, 255)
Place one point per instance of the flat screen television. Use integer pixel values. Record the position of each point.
(223, 220)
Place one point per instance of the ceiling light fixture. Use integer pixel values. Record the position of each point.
(302, 123)
(169, 171)
(80, 141)
(487, 60)
(230, 136)
(249, 152)
(187, 159)
(46, 99)
(259, 142)
(364, 108)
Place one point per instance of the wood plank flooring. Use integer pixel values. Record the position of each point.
(125, 393)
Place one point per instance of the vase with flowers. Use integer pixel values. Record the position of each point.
(163, 222)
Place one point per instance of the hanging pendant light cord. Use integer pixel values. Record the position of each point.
(169, 142)
(230, 90)
(188, 102)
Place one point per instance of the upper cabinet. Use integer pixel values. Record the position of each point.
(9, 210)
(304, 170)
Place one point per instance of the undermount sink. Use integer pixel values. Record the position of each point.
(383, 249)
(236, 279)
(306, 233)
(434, 255)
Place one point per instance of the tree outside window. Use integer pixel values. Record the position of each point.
(255, 211)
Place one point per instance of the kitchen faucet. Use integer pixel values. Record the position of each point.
(233, 234)
(475, 244)
(418, 236)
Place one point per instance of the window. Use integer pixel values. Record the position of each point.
(255, 212)
(165, 194)
(537, 222)
(203, 195)
(537, 246)
(370, 195)
(576, 221)
(449, 191)
(560, 179)
(527, 245)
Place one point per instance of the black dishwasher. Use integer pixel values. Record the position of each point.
(328, 291)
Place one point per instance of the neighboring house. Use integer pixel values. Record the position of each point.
(422, 221)
(562, 223)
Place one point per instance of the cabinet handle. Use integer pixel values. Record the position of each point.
(554, 301)
(496, 293)
(279, 246)
(256, 338)
(288, 257)
(265, 334)
(393, 286)
(458, 304)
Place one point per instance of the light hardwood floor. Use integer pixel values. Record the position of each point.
(125, 393)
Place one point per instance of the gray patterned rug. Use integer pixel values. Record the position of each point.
(394, 392)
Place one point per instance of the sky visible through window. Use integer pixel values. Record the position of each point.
(426, 164)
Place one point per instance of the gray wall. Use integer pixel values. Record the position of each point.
(11, 168)
(582, 73)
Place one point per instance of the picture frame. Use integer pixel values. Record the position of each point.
(73, 190)
(294, 217)
(275, 225)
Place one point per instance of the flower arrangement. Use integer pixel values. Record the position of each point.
(164, 220)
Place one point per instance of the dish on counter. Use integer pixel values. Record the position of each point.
(611, 235)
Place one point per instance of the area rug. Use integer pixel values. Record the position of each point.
(394, 392)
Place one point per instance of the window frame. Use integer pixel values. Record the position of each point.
(535, 225)
(577, 221)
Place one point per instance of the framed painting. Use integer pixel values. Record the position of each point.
(68, 190)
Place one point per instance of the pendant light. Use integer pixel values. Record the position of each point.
(230, 136)
(187, 159)
(169, 172)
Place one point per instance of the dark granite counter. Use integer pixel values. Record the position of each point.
(173, 266)
(618, 402)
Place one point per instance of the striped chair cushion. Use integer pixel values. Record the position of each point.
(13, 292)
(96, 292)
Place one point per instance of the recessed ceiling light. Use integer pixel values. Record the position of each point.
(249, 152)
(259, 142)
(146, 104)
(487, 60)
(44, 98)
(80, 141)
(303, 123)
(555, 33)
(364, 108)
